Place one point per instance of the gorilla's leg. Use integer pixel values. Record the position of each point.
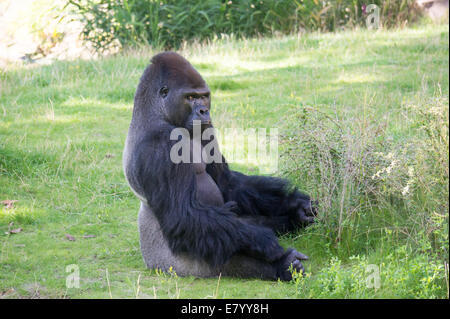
(270, 202)
(264, 200)
(157, 254)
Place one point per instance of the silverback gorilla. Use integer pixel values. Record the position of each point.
(202, 219)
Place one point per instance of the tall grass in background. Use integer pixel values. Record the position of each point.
(167, 23)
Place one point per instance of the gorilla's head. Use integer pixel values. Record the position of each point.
(175, 91)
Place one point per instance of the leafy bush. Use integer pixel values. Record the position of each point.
(369, 182)
(167, 23)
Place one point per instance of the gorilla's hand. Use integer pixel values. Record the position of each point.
(291, 257)
(306, 209)
(310, 207)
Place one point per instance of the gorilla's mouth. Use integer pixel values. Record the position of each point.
(203, 124)
(198, 127)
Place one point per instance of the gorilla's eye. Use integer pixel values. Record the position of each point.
(164, 91)
(190, 98)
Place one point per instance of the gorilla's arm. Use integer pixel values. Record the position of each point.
(267, 201)
(211, 233)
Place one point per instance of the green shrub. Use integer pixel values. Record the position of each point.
(167, 23)
(368, 182)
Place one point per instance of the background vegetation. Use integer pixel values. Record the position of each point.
(169, 23)
(364, 122)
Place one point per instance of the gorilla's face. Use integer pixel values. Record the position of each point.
(192, 104)
(186, 96)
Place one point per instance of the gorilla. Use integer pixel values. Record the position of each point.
(203, 219)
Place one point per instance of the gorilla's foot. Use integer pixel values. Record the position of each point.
(290, 258)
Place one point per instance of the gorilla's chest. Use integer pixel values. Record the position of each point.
(207, 190)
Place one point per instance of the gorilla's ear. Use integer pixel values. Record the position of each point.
(164, 91)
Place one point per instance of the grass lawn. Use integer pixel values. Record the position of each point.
(62, 131)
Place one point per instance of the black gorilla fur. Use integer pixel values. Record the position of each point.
(231, 214)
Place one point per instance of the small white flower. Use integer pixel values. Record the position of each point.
(405, 190)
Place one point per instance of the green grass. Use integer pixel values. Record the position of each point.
(63, 126)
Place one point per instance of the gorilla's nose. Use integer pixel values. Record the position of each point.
(202, 113)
